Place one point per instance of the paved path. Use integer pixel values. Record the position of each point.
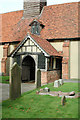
(4, 89)
(73, 81)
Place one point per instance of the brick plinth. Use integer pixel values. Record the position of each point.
(53, 75)
(50, 76)
(44, 77)
(65, 60)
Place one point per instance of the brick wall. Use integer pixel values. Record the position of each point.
(53, 75)
(50, 76)
(43, 77)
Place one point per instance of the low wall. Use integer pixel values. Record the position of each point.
(43, 77)
(53, 75)
(50, 76)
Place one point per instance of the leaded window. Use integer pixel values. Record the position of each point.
(35, 28)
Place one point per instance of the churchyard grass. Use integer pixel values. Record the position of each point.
(4, 79)
(31, 105)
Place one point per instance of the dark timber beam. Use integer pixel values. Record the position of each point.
(29, 53)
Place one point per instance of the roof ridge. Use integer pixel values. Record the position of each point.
(11, 12)
(60, 4)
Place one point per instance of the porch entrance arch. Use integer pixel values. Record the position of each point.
(28, 69)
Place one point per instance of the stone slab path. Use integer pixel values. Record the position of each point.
(73, 81)
(4, 89)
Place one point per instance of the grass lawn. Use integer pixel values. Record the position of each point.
(30, 105)
(4, 79)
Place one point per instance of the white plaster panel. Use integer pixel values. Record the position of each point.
(31, 43)
(34, 49)
(26, 43)
(19, 50)
(57, 45)
(73, 59)
(79, 59)
(38, 50)
(28, 49)
(1, 52)
(11, 48)
(23, 49)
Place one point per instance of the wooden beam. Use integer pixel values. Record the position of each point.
(27, 53)
(29, 46)
(51, 63)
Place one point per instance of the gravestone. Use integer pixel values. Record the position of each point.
(72, 93)
(46, 89)
(38, 83)
(15, 81)
(61, 81)
(63, 100)
(56, 83)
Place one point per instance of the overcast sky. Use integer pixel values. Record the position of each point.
(13, 5)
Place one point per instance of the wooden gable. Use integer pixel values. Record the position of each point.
(29, 46)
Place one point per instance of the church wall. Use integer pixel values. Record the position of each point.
(9, 61)
(79, 59)
(1, 55)
(11, 47)
(58, 45)
(1, 51)
(74, 59)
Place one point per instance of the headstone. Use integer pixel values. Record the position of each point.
(56, 83)
(41, 90)
(72, 93)
(46, 89)
(38, 83)
(61, 81)
(63, 100)
(37, 92)
(15, 81)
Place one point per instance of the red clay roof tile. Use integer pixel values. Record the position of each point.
(8, 21)
(44, 44)
(61, 21)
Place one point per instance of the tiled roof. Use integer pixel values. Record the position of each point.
(61, 21)
(8, 21)
(37, 21)
(43, 43)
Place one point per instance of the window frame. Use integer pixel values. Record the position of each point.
(35, 28)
